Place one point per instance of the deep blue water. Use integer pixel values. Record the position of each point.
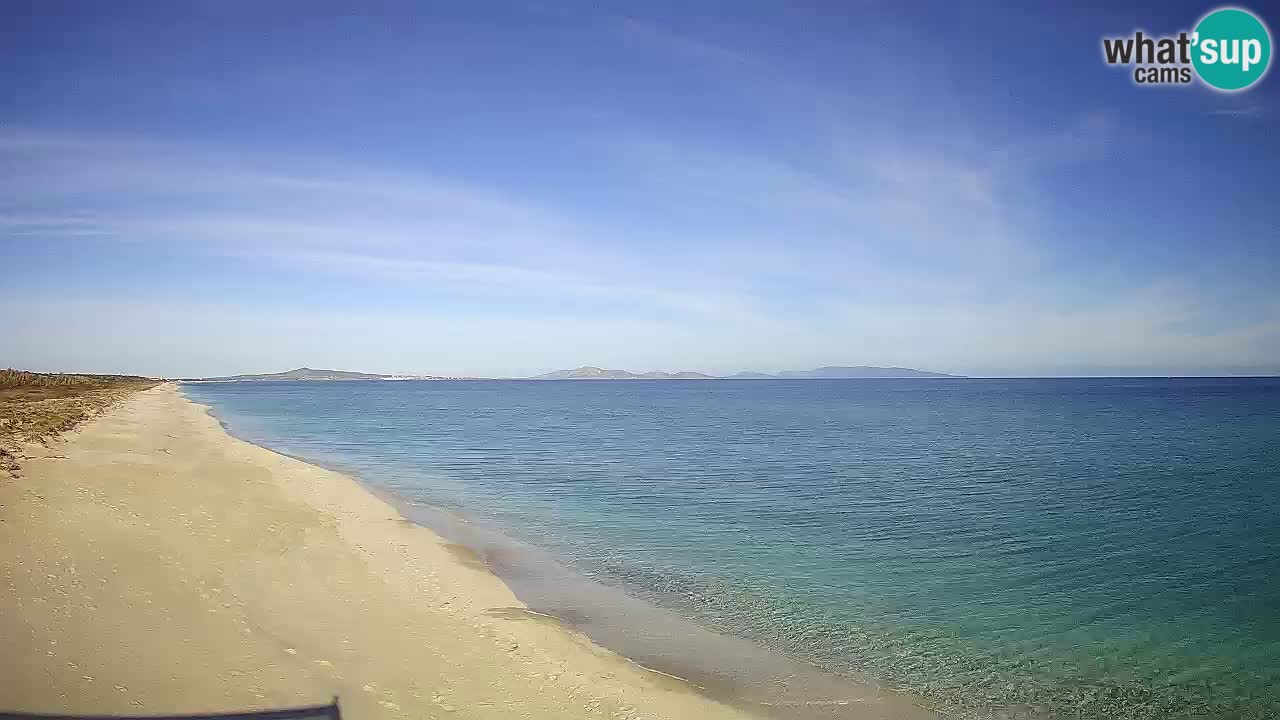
(1081, 547)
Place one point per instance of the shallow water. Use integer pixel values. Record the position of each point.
(1075, 548)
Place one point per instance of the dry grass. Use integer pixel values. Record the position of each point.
(37, 407)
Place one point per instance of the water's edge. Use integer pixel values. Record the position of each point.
(726, 668)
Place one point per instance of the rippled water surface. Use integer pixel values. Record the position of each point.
(1090, 548)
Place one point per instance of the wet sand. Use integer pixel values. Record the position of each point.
(151, 563)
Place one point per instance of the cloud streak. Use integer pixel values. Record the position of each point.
(305, 216)
(883, 255)
(788, 223)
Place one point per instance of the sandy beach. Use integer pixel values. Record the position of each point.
(154, 564)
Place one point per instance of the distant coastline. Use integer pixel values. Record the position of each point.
(305, 373)
(827, 372)
(588, 372)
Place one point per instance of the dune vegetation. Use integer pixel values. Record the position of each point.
(37, 407)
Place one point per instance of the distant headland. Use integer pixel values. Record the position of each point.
(305, 373)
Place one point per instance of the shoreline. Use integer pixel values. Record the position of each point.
(726, 668)
(157, 564)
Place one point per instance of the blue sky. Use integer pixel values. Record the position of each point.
(503, 189)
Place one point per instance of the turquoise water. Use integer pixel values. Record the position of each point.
(1083, 548)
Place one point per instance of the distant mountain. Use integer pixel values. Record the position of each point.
(586, 373)
(310, 374)
(689, 375)
(859, 371)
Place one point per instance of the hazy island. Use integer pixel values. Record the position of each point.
(588, 372)
(305, 373)
(827, 372)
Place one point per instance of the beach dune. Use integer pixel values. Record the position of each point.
(150, 563)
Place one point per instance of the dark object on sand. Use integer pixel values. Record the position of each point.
(315, 712)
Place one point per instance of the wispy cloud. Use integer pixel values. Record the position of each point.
(686, 46)
(837, 234)
(881, 253)
(321, 217)
(926, 206)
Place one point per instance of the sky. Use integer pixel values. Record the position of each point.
(502, 189)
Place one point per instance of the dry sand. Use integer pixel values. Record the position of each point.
(151, 563)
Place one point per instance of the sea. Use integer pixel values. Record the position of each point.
(992, 548)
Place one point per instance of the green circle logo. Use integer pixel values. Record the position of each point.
(1232, 49)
